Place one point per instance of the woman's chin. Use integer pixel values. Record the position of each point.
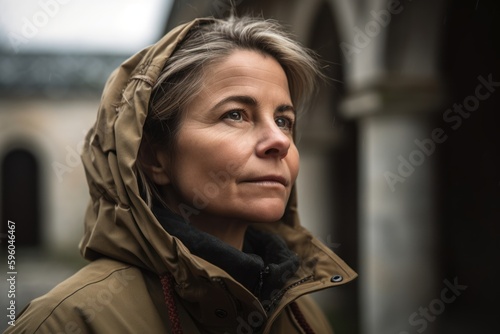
(263, 214)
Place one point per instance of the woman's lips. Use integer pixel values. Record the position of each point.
(268, 179)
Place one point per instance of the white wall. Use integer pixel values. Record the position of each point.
(53, 130)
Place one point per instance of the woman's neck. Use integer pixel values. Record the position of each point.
(231, 232)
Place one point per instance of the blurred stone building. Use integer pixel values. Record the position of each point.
(400, 153)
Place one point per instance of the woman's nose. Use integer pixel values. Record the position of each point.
(273, 142)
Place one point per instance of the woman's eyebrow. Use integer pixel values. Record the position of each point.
(250, 101)
(285, 108)
(243, 99)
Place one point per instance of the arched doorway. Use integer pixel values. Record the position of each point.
(20, 181)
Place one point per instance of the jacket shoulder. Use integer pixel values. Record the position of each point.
(102, 289)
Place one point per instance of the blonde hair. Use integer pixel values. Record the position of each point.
(207, 44)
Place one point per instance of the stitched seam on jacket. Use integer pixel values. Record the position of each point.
(79, 289)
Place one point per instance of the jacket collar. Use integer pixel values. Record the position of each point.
(262, 267)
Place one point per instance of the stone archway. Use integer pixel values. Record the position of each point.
(20, 181)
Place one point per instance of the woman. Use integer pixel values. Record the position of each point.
(192, 225)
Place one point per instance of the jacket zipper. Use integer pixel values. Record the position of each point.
(236, 302)
(278, 296)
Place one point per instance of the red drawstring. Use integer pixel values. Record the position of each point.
(167, 283)
(297, 313)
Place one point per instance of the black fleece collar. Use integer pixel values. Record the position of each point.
(262, 267)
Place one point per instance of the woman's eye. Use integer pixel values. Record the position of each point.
(234, 115)
(284, 122)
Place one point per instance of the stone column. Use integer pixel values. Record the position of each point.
(398, 145)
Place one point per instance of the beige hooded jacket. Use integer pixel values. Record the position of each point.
(120, 290)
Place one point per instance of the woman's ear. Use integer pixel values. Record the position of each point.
(155, 164)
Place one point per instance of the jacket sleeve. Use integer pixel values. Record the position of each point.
(36, 318)
(104, 297)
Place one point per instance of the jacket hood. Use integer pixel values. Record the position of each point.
(118, 222)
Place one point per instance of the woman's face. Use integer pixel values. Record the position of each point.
(235, 156)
